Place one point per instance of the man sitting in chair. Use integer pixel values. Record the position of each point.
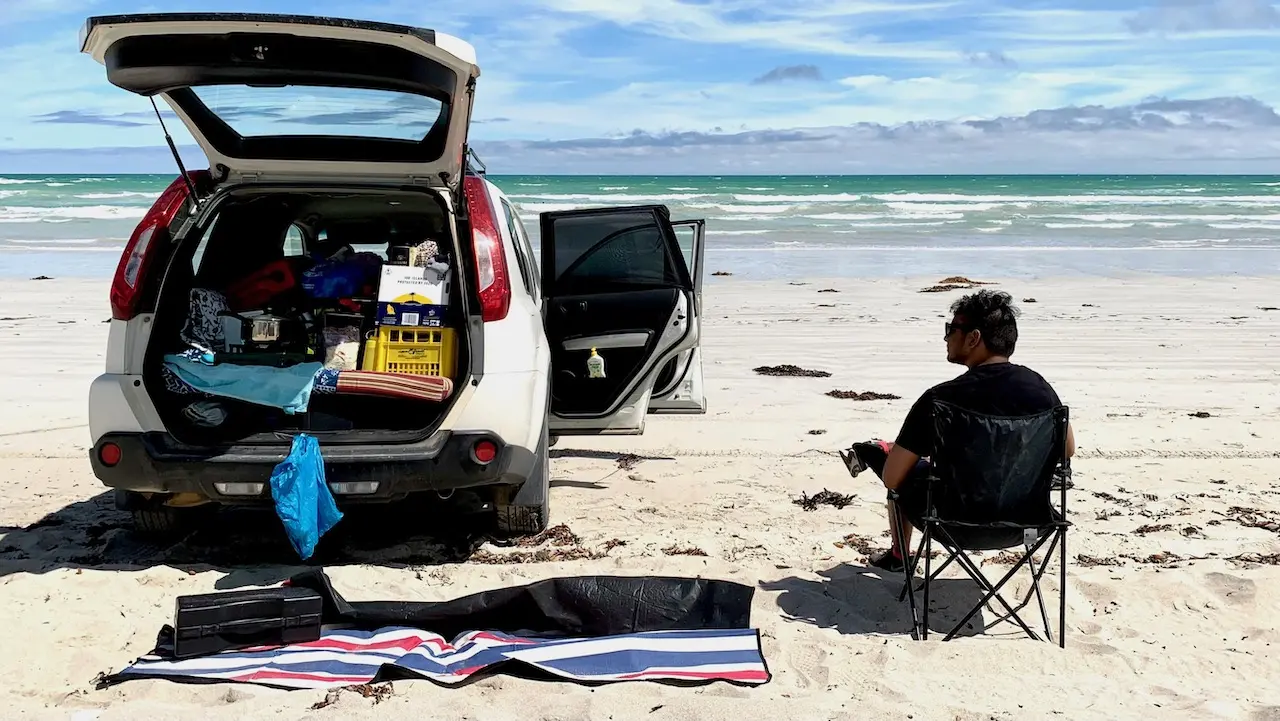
(982, 335)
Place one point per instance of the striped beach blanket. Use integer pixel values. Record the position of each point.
(375, 383)
(345, 657)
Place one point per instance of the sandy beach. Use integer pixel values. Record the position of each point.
(1173, 599)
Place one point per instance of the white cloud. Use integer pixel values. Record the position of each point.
(14, 11)
(1211, 135)
(1184, 16)
(866, 81)
(789, 74)
(805, 10)
(548, 65)
(1215, 135)
(990, 58)
(53, 76)
(780, 26)
(968, 92)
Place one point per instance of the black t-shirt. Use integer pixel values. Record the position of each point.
(997, 389)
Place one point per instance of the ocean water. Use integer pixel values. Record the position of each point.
(793, 226)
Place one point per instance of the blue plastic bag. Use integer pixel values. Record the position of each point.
(342, 278)
(303, 500)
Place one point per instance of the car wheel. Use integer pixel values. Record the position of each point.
(528, 512)
(152, 517)
(158, 521)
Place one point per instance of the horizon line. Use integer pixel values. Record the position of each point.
(747, 175)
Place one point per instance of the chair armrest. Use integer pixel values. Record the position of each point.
(1061, 478)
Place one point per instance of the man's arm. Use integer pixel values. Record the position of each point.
(898, 466)
(1071, 433)
(914, 440)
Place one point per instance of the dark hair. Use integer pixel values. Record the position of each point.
(993, 313)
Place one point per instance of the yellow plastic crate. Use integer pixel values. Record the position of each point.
(412, 351)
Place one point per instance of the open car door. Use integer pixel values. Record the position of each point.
(679, 385)
(616, 285)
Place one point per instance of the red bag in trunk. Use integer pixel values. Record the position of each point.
(254, 290)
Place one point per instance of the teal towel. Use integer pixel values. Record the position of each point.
(288, 389)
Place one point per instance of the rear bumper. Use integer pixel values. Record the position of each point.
(156, 463)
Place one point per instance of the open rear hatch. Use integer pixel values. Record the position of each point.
(310, 125)
(276, 97)
(320, 269)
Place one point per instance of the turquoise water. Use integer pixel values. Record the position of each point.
(793, 226)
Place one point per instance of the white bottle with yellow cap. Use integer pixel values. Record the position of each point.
(595, 365)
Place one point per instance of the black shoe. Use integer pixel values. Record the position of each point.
(865, 455)
(889, 561)
(852, 461)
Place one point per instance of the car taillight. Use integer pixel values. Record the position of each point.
(492, 279)
(109, 454)
(131, 273)
(483, 452)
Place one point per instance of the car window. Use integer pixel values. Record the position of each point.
(513, 223)
(197, 257)
(378, 249)
(294, 243)
(686, 236)
(535, 267)
(316, 110)
(596, 251)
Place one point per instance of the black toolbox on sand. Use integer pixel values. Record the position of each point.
(214, 622)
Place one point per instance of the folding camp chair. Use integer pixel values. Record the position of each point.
(990, 486)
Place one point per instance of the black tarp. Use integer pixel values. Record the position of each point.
(574, 606)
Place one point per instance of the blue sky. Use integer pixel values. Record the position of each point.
(765, 86)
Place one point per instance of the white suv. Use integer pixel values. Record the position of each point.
(323, 133)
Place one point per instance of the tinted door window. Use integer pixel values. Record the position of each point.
(614, 251)
(517, 242)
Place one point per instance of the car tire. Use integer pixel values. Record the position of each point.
(151, 517)
(157, 521)
(529, 510)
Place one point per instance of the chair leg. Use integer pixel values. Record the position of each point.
(1059, 542)
(936, 572)
(1062, 591)
(944, 565)
(928, 578)
(1036, 573)
(908, 570)
(1035, 586)
(994, 591)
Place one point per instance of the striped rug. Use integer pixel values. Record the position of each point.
(344, 658)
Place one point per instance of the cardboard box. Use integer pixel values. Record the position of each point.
(409, 296)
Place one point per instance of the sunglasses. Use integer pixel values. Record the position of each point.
(953, 327)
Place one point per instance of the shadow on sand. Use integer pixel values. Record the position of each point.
(248, 544)
(604, 455)
(857, 599)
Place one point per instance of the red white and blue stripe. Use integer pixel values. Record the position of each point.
(344, 657)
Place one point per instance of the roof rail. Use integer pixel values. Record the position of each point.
(474, 163)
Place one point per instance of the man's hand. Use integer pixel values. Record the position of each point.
(898, 466)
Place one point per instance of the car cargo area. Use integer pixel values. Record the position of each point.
(335, 312)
